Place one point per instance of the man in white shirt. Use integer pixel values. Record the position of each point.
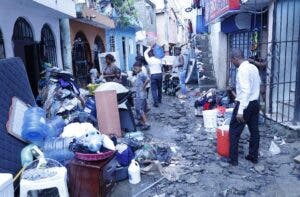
(155, 67)
(246, 110)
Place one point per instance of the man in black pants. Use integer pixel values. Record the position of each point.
(246, 110)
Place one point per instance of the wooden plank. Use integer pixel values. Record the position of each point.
(108, 113)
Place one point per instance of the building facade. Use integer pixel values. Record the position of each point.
(269, 33)
(122, 40)
(87, 39)
(146, 12)
(30, 30)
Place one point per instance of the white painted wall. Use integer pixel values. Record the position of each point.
(36, 16)
(64, 6)
(218, 41)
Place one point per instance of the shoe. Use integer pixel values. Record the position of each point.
(252, 159)
(159, 102)
(145, 127)
(155, 105)
(233, 163)
(139, 124)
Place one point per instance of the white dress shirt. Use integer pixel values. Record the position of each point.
(247, 85)
(153, 62)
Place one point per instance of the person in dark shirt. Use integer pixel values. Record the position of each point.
(111, 72)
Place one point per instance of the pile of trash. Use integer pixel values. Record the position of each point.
(65, 126)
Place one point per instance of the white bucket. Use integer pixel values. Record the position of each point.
(210, 119)
(134, 172)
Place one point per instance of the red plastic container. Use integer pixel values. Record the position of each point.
(223, 140)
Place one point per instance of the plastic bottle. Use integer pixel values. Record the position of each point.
(134, 172)
(58, 149)
(56, 125)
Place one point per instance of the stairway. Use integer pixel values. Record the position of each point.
(204, 61)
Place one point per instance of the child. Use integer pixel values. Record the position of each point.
(141, 95)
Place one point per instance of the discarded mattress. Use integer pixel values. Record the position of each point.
(14, 83)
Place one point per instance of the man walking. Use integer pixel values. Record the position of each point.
(246, 110)
(155, 75)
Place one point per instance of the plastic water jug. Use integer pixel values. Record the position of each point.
(134, 172)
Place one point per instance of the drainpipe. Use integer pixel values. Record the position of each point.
(166, 49)
(66, 48)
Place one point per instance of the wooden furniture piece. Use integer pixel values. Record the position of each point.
(92, 179)
(108, 113)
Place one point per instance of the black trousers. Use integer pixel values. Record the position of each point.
(156, 87)
(251, 115)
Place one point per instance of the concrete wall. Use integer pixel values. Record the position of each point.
(218, 41)
(89, 31)
(162, 28)
(35, 16)
(145, 12)
(130, 44)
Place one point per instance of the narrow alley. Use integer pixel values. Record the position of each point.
(150, 98)
(202, 172)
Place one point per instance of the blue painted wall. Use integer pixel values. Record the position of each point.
(129, 34)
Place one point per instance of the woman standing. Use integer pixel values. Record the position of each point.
(111, 73)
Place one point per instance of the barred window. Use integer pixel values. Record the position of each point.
(2, 49)
(112, 44)
(22, 30)
(48, 44)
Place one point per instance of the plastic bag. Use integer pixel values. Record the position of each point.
(274, 149)
(108, 143)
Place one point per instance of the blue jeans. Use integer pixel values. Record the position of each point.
(182, 74)
(156, 87)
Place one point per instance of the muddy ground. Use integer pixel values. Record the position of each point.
(202, 172)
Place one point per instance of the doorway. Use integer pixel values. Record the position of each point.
(25, 48)
(98, 48)
(81, 57)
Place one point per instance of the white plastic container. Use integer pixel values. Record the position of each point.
(134, 172)
(6, 185)
(210, 120)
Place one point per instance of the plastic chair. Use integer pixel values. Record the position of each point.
(6, 185)
(58, 181)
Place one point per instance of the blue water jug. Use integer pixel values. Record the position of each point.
(158, 51)
(34, 127)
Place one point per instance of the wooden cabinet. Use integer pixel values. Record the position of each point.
(91, 179)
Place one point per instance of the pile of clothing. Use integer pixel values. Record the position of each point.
(208, 100)
(59, 94)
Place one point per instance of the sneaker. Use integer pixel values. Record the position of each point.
(155, 105)
(139, 124)
(252, 159)
(145, 127)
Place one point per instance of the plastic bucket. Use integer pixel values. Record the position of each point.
(210, 119)
(223, 140)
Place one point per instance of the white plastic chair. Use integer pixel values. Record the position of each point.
(58, 181)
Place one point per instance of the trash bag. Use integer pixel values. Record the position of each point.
(124, 154)
(164, 155)
(274, 149)
(145, 154)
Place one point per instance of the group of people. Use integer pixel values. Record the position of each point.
(148, 75)
(247, 92)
